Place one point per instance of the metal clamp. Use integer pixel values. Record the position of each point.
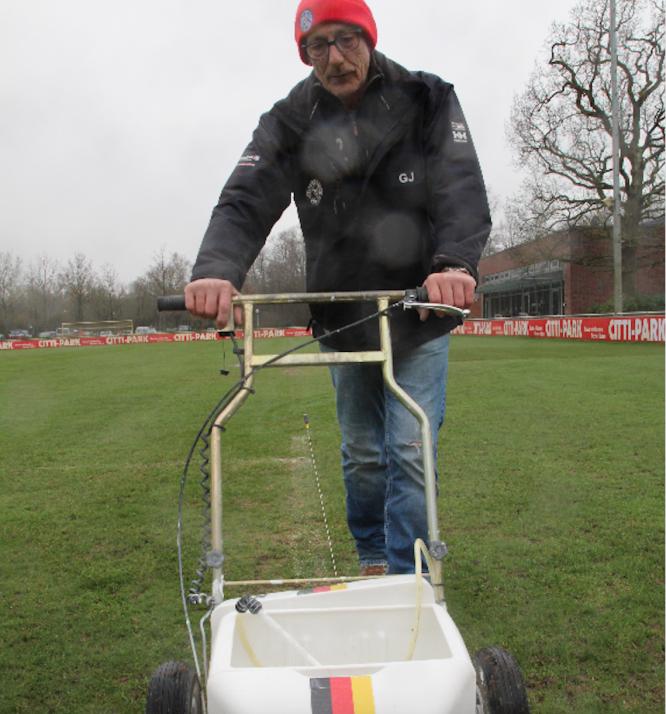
(438, 549)
(214, 559)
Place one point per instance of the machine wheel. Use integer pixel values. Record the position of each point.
(500, 688)
(174, 689)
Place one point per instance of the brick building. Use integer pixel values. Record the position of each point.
(568, 273)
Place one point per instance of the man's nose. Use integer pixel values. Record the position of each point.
(334, 54)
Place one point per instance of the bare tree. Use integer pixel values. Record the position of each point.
(561, 126)
(78, 280)
(142, 302)
(280, 267)
(286, 258)
(108, 294)
(257, 278)
(10, 273)
(167, 274)
(501, 235)
(43, 295)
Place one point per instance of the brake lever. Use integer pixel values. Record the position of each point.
(439, 307)
(412, 301)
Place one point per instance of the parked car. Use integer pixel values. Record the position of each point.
(145, 330)
(19, 335)
(48, 335)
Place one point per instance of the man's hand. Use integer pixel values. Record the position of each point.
(452, 287)
(211, 298)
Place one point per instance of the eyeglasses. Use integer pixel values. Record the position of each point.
(346, 41)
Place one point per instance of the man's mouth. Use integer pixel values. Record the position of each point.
(342, 77)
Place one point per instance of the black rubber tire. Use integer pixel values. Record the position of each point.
(174, 689)
(500, 688)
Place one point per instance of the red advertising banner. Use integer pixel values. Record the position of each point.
(631, 328)
(31, 344)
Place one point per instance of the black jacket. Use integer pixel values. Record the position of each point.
(385, 195)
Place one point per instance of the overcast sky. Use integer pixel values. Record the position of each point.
(120, 121)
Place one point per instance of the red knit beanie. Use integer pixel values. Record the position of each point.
(311, 13)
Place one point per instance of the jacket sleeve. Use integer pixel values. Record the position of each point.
(458, 205)
(252, 200)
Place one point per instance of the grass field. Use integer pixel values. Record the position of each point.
(552, 503)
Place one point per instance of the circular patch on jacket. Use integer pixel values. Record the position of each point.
(314, 192)
(306, 20)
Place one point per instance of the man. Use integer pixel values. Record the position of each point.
(389, 193)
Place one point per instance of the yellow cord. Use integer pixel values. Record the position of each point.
(419, 548)
(242, 636)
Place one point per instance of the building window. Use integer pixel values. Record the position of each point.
(526, 300)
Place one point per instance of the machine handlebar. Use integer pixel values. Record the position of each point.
(172, 303)
(413, 298)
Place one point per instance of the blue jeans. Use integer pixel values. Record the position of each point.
(382, 459)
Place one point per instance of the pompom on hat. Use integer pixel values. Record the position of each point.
(311, 13)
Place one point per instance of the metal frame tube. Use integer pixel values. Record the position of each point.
(216, 516)
(383, 356)
(349, 296)
(430, 483)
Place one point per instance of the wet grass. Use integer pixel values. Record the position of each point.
(552, 503)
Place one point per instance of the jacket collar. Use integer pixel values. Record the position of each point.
(388, 79)
(384, 115)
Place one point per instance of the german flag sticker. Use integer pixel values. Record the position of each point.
(322, 589)
(342, 695)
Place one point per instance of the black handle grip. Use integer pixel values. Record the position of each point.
(171, 302)
(421, 294)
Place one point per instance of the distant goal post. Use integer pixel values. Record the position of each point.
(96, 327)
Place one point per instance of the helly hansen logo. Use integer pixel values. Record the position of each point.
(459, 132)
